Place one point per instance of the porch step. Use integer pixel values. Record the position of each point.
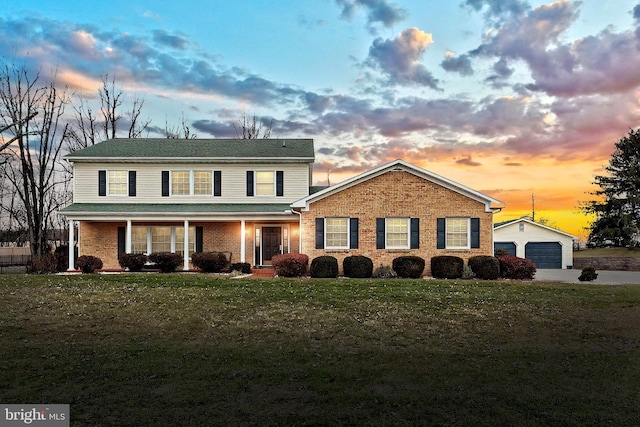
(263, 272)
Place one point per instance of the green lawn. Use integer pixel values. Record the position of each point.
(196, 350)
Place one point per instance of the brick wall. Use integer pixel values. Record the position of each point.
(400, 194)
(100, 239)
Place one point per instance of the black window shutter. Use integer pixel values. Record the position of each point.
(353, 233)
(441, 239)
(217, 183)
(132, 183)
(475, 232)
(380, 232)
(250, 183)
(319, 233)
(415, 233)
(122, 248)
(102, 183)
(165, 183)
(279, 183)
(199, 239)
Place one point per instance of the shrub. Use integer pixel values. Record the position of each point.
(384, 272)
(358, 266)
(62, 257)
(467, 273)
(409, 266)
(447, 267)
(588, 274)
(513, 267)
(209, 262)
(324, 266)
(167, 262)
(485, 267)
(290, 265)
(242, 267)
(44, 264)
(89, 263)
(132, 262)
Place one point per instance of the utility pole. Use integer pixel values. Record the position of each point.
(533, 207)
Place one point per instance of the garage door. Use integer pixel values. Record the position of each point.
(544, 254)
(509, 247)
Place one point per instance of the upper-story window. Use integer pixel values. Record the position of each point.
(265, 183)
(117, 183)
(192, 183)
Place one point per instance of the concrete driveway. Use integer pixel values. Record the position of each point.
(605, 277)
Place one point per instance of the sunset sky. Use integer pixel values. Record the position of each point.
(512, 98)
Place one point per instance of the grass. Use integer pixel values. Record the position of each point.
(194, 350)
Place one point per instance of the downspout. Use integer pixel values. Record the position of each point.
(299, 230)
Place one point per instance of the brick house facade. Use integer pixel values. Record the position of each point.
(254, 199)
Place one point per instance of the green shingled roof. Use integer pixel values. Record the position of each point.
(162, 148)
(177, 208)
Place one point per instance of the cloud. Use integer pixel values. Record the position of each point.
(378, 11)
(173, 41)
(457, 64)
(466, 161)
(500, 9)
(399, 58)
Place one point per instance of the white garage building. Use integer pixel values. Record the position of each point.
(547, 247)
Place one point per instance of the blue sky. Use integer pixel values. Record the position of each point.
(508, 97)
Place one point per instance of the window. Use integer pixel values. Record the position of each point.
(397, 236)
(457, 232)
(118, 183)
(180, 183)
(264, 183)
(202, 183)
(161, 239)
(337, 233)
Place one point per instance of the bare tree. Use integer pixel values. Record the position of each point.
(181, 131)
(92, 127)
(252, 128)
(32, 114)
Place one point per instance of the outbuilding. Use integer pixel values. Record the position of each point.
(547, 247)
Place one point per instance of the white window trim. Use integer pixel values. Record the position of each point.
(273, 183)
(446, 233)
(126, 189)
(192, 182)
(326, 245)
(386, 233)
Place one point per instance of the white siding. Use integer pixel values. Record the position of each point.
(149, 183)
(532, 232)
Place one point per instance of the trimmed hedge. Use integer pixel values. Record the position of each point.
(209, 262)
(357, 266)
(133, 262)
(89, 263)
(447, 267)
(485, 267)
(324, 266)
(410, 267)
(242, 267)
(513, 267)
(290, 265)
(167, 262)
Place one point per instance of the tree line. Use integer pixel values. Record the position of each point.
(40, 122)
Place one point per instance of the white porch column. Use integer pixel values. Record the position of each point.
(72, 251)
(186, 245)
(243, 241)
(127, 239)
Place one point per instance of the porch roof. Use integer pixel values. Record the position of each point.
(176, 208)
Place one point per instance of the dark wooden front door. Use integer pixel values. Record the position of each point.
(271, 241)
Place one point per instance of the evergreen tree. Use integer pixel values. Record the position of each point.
(618, 208)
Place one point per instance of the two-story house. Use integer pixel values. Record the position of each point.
(255, 199)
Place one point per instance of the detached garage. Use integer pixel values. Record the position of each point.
(547, 247)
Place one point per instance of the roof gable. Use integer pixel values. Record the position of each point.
(513, 222)
(397, 165)
(149, 149)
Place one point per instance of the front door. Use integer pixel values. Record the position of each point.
(271, 243)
